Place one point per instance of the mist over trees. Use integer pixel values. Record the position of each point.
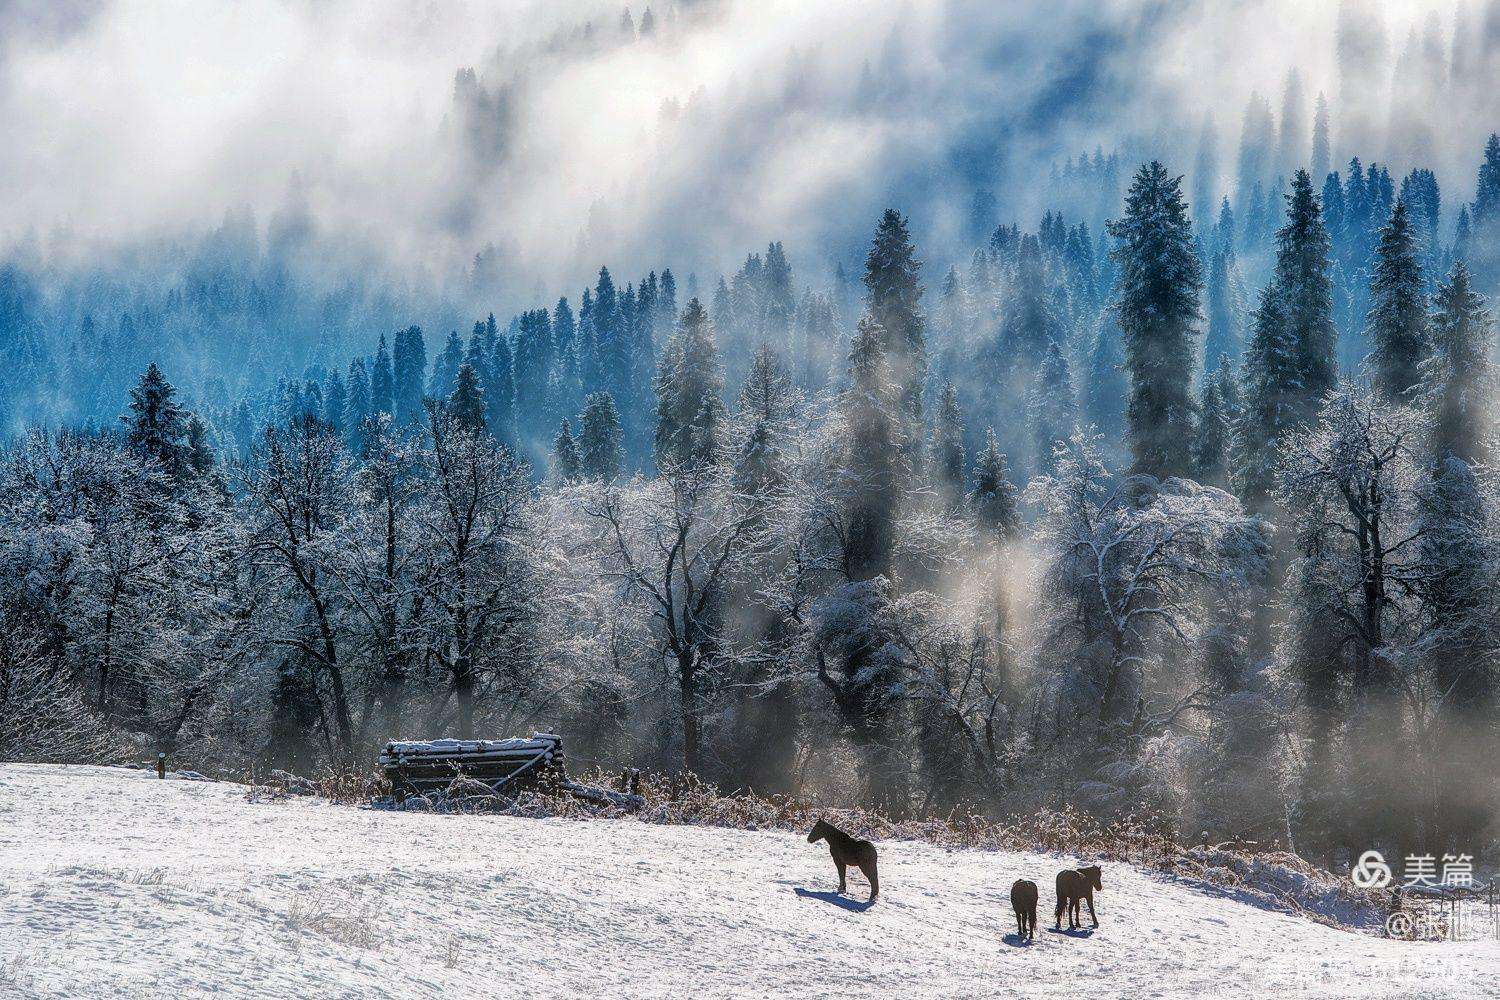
(1155, 502)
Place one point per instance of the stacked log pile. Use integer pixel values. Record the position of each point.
(503, 766)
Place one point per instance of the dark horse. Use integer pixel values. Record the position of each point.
(847, 851)
(1023, 897)
(1073, 886)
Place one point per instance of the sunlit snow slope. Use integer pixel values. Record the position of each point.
(115, 884)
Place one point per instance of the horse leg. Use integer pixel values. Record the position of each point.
(1095, 916)
(1031, 923)
(843, 883)
(868, 868)
(1073, 914)
(1062, 902)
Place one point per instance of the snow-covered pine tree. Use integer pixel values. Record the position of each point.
(409, 372)
(815, 342)
(1304, 290)
(466, 403)
(382, 382)
(893, 303)
(586, 349)
(609, 366)
(948, 446)
(766, 402)
(564, 386)
(1272, 390)
(1029, 323)
(156, 427)
(666, 301)
(767, 393)
(689, 387)
(567, 467)
(1157, 293)
(1457, 378)
(357, 406)
(1462, 235)
(777, 298)
(1053, 411)
(1486, 208)
(532, 368)
(1222, 343)
(335, 402)
(1397, 320)
(445, 368)
(1423, 199)
(312, 405)
(500, 395)
(564, 328)
(1215, 428)
(198, 451)
(642, 372)
(995, 500)
(601, 450)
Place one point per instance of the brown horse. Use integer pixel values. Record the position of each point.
(1023, 897)
(1074, 886)
(847, 851)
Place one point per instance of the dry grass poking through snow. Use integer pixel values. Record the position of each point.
(14, 974)
(128, 876)
(343, 920)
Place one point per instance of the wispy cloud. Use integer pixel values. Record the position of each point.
(733, 124)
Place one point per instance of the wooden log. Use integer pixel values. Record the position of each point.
(604, 796)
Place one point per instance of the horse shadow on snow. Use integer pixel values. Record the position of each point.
(1081, 932)
(828, 896)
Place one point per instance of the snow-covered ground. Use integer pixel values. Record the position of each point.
(115, 884)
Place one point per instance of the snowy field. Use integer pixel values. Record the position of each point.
(115, 884)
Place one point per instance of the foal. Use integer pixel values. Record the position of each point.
(1075, 886)
(1023, 896)
(847, 851)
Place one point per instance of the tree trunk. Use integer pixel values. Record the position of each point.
(104, 661)
(463, 695)
(687, 669)
(341, 715)
(463, 663)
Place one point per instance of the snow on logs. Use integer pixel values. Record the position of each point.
(506, 766)
(477, 769)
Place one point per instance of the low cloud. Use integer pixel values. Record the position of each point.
(576, 141)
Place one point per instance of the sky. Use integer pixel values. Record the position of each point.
(734, 124)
